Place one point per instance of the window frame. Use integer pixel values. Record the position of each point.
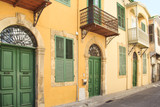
(158, 36)
(144, 63)
(123, 18)
(64, 2)
(122, 73)
(64, 58)
(143, 26)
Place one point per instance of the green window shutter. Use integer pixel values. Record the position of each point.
(64, 62)
(144, 64)
(59, 47)
(121, 16)
(59, 60)
(69, 69)
(143, 26)
(59, 70)
(69, 49)
(65, 2)
(122, 60)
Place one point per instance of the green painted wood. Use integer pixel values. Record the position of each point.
(64, 62)
(143, 27)
(94, 76)
(134, 72)
(122, 60)
(17, 77)
(144, 64)
(7, 77)
(121, 16)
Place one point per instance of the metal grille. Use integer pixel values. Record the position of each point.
(18, 35)
(94, 50)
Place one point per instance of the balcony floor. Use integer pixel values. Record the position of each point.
(100, 29)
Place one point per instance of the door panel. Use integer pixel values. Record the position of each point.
(94, 76)
(91, 78)
(16, 77)
(25, 74)
(134, 72)
(97, 74)
(7, 77)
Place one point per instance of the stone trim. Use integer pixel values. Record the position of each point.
(63, 34)
(19, 19)
(103, 63)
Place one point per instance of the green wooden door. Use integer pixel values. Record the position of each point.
(16, 77)
(94, 76)
(134, 72)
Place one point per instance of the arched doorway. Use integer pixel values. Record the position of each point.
(134, 69)
(17, 71)
(94, 71)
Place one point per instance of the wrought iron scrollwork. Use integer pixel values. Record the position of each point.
(18, 35)
(94, 50)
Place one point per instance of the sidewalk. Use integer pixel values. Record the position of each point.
(98, 100)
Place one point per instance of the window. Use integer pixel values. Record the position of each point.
(122, 60)
(131, 0)
(64, 62)
(143, 27)
(65, 2)
(158, 36)
(121, 16)
(151, 33)
(144, 64)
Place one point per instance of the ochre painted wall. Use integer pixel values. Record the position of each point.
(59, 17)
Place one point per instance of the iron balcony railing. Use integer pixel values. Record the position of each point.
(93, 15)
(137, 35)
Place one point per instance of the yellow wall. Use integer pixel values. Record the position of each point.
(63, 18)
(57, 17)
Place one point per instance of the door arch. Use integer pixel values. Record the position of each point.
(17, 52)
(94, 71)
(134, 81)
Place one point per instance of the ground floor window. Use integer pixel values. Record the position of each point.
(64, 62)
(122, 60)
(144, 64)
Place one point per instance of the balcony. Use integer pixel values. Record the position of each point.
(36, 6)
(139, 37)
(98, 21)
(32, 5)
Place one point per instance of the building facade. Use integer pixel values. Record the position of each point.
(154, 35)
(62, 51)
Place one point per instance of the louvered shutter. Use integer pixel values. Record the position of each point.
(69, 69)
(151, 33)
(122, 60)
(144, 64)
(59, 60)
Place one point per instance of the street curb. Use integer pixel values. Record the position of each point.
(99, 100)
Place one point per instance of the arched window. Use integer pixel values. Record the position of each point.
(94, 50)
(18, 35)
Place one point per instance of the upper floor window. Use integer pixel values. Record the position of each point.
(143, 27)
(158, 36)
(65, 2)
(121, 16)
(131, 0)
(151, 33)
